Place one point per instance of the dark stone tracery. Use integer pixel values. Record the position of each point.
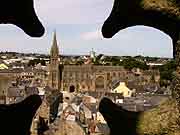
(160, 14)
(22, 14)
(17, 118)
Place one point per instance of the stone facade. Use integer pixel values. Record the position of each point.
(100, 78)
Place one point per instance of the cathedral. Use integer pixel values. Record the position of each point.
(89, 77)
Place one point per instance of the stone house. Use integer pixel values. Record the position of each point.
(124, 90)
(102, 129)
(69, 113)
(48, 110)
(100, 118)
(85, 114)
(14, 95)
(31, 91)
(3, 66)
(92, 120)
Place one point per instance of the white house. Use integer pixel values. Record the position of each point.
(124, 90)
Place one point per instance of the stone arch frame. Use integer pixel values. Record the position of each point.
(128, 13)
(141, 13)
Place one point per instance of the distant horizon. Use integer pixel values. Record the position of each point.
(34, 53)
(78, 26)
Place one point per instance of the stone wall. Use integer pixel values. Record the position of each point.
(98, 78)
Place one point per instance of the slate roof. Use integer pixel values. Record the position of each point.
(31, 91)
(97, 95)
(11, 70)
(103, 128)
(92, 108)
(77, 100)
(52, 94)
(14, 92)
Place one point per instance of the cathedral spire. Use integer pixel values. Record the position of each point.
(54, 77)
(54, 48)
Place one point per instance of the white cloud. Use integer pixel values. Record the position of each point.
(89, 15)
(94, 35)
(73, 11)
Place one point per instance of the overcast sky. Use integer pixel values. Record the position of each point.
(78, 24)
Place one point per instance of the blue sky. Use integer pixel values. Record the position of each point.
(78, 24)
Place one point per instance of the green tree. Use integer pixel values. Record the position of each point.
(115, 61)
(131, 63)
(166, 72)
(79, 62)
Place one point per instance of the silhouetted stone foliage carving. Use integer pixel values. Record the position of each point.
(119, 120)
(163, 119)
(175, 86)
(22, 14)
(160, 14)
(16, 119)
(165, 16)
(177, 58)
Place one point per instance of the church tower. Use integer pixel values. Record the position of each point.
(54, 78)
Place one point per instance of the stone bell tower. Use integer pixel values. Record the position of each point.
(54, 78)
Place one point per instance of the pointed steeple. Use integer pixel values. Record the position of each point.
(54, 48)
